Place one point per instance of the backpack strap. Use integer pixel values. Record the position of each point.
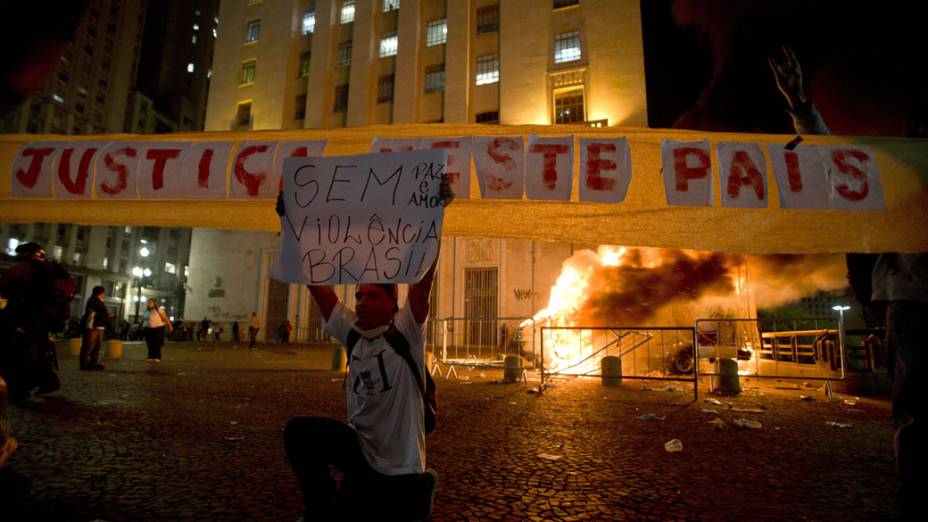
(353, 337)
(400, 345)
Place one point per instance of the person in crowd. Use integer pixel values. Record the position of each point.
(236, 335)
(254, 326)
(37, 295)
(284, 331)
(898, 282)
(204, 329)
(381, 450)
(94, 324)
(156, 320)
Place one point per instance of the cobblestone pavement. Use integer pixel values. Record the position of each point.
(198, 437)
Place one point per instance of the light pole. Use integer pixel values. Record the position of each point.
(139, 274)
(840, 309)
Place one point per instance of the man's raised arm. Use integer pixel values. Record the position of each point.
(419, 292)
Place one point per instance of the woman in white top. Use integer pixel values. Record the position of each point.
(155, 322)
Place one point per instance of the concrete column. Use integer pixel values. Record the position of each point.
(365, 48)
(406, 79)
(458, 62)
(319, 93)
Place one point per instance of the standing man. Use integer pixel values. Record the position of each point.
(381, 450)
(254, 326)
(94, 324)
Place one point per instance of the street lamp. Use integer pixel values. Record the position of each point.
(139, 274)
(840, 309)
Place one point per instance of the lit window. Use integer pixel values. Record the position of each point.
(196, 27)
(253, 31)
(76, 258)
(347, 13)
(215, 33)
(567, 47)
(436, 32)
(11, 245)
(106, 263)
(209, 72)
(435, 78)
(186, 271)
(190, 67)
(309, 22)
(170, 268)
(388, 43)
(344, 54)
(248, 72)
(391, 5)
(304, 65)
(385, 88)
(193, 39)
(128, 230)
(57, 98)
(57, 252)
(488, 19)
(568, 106)
(487, 69)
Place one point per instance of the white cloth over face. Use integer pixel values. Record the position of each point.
(384, 404)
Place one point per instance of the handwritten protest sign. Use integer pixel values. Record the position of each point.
(360, 219)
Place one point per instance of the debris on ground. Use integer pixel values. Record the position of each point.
(651, 417)
(718, 424)
(234, 438)
(748, 423)
(548, 456)
(806, 398)
(670, 388)
(673, 446)
(710, 410)
(850, 402)
(713, 401)
(837, 424)
(745, 410)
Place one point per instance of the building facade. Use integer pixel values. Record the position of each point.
(293, 64)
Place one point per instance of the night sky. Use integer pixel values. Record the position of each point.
(706, 63)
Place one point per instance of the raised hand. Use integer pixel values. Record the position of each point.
(788, 75)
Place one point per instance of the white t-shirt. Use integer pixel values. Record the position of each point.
(384, 406)
(153, 319)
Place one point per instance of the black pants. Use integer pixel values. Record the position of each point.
(907, 340)
(90, 347)
(154, 338)
(314, 444)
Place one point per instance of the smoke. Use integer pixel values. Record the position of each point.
(780, 279)
(639, 286)
(649, 279)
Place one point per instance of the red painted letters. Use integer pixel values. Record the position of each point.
(549, 151)
(251, 180)
(29, 177)
(743, 171)
(793, 174)
(206, 159)
(596, 165)
(840, 157)
(683, 172)
(121, 170)
(454, 174)
(77, 185)
(161, 157)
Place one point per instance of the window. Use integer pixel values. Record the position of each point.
(190, 67)
(57, 252)
(385, 88)
(487, 69)
(435, 78)
(347, 12)
(253, 31)
(344, 54)
(388, 43)
(390, 5)
(170, 268)
(436, 32)
(488, 19)
(341, 97)
(309, 22)
(567, 47)
(11, 245)
(300, 111)
(248, 72)
(106, 264)
(558, 4)
(304, 65)
(243, 114)
(488, 117)
(568, 106)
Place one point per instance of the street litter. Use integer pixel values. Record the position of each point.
(647, 388)
(670, 389)
(513, 402)
(713, 401)
(748, 423)
(673, 446)
(717, 423)
(531, 390)
(548, 456)
(234, 438)
(710, 410)
(651, 417)
(465, 382)
(233, 422)
(806, 398)
(482, 375)
(837, 424)
(746, 410)
(850, 402)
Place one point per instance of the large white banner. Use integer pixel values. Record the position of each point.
(360, 219)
